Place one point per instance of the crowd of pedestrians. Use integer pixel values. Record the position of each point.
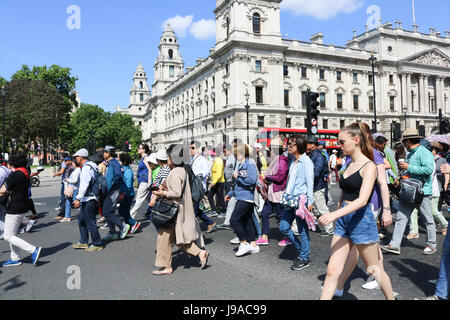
(247, 186)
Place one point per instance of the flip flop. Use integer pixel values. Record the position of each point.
(161, 272)
(205, 261)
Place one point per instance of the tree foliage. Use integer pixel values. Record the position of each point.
(106, 129)
(32, 108)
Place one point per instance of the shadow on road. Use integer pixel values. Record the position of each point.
(13, 283)
(418, 273)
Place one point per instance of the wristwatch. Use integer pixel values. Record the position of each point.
(387, 208)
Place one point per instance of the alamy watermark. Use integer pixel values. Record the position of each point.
(74, 280)
(374, 20)
(73, 22)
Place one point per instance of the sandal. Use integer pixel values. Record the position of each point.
(161, 272)
(204, 261)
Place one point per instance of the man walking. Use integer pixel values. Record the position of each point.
(144, 179)
(113, 177)
(86, 200)
(320, 170)
(419, 165)
(65, 164)
(217, 186)
(200, 167)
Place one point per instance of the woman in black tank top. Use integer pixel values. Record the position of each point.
(355, 224)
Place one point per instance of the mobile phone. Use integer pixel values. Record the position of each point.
(154, 188)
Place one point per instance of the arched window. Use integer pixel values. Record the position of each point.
(141, 85)
(256, 23)
(170, 54)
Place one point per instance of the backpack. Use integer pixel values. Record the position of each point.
(326, 169)
(98, 185)
(196, 184)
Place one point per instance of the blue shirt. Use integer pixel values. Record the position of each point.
(301, 179)
(126, 184)
(142, 172)
(113, 174)
(246, 182)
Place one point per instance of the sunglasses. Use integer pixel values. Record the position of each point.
(341, 142)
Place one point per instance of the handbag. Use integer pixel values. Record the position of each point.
(411, 192)
(5, 200)
(165, 212)
(289, 200)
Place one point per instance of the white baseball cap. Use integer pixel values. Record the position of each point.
(81, 153)
(258, 145)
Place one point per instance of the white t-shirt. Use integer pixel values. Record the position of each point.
(333, 161)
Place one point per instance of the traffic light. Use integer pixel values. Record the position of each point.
(422, 131)
(126, 147)
(444, 126)
(397, 132)
(312, 112)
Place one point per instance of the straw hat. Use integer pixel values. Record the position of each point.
(411, 133)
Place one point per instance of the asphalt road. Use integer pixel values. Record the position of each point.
(123, 269)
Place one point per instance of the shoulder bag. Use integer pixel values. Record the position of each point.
(165, 212)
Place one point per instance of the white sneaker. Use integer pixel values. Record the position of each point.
(29, 225)
(371, 284)
(235, 241)
(243, 249)
(254, 249)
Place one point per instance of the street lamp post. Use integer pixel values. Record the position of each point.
(372, 60)
(3, 118)
(247, 108)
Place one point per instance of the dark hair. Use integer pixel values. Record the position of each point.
(175, 153)
(146, 148)
(301, 144)
(196, 144)
(125, 158)
(18, 159)
(380, 140)
(359, 129)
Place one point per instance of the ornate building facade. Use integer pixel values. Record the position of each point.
(252, 61)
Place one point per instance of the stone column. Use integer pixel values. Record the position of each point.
(422, 93)
(404, 92)
(439, 93)
(408, 92)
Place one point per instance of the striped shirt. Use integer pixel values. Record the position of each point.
(161, 176)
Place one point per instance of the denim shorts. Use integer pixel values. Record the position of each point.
(360, 226)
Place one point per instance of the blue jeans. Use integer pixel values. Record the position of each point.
(109, 212)
(62, 201)
(442, 286)
(266, 212)
(200, 214)
(87, 223)
(124, 210)
(67, 211)
(303, 247)
(256, 222)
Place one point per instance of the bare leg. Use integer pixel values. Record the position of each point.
(340, 249)
(350, 264)
(370, 254)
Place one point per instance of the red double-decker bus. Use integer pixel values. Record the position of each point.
(329, 136)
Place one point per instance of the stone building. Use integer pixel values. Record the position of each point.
(252, 61)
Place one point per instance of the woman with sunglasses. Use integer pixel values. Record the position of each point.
(355, 226)
(300, 185)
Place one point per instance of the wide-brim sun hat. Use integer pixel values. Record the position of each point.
(152, 158)
(411, 133)
(277, 143)
(161, 155)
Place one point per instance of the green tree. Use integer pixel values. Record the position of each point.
(2, 82)
(32, 108)
(104, 127)
(62, 80)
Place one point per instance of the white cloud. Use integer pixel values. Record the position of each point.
(321, 9)
(179, 24)
(203, 29)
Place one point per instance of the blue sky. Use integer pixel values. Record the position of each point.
(115, 35)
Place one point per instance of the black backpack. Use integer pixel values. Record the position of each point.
(196, 184)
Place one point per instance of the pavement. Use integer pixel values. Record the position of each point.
(123, 269)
